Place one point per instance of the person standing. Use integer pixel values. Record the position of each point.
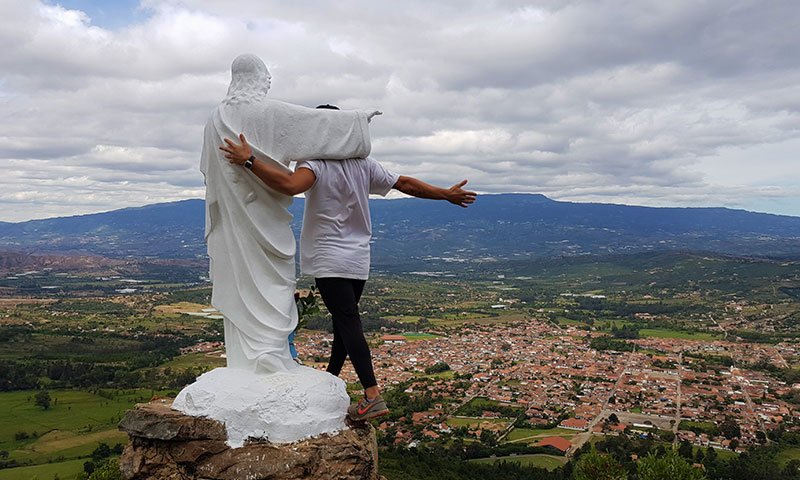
(335, 243)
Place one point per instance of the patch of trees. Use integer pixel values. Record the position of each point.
(667, 365)
(610, 459)
(437, 367)
(199, 295)
(438, 464)
(756, 337)
(42, 399)
(698, 428)
(788, 375)
(15, 333)
(28, 375)
(625, 332)
(625, 309)
(404, 404)
(87, 307)
(608, 343)
(759, 463)
(477, 406)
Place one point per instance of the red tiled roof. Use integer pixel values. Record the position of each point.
(393, 338)
(559, 443)
(575, 423)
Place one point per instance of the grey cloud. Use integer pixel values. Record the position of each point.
(580, 100)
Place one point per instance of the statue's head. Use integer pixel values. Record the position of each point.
(250, 80)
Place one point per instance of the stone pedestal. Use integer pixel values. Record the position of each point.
(169, 445)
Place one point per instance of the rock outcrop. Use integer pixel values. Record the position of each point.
(169, 445)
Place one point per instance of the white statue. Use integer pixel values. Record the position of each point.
(263, 392)
(250, 242)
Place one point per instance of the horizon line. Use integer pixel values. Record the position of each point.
(405, 197)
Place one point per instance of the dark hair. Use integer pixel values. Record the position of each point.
(328, 106)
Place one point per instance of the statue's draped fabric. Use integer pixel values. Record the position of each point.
(250, 242)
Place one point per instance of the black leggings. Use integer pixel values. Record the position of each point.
(341, 296)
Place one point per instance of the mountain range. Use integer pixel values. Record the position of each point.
(412, 233)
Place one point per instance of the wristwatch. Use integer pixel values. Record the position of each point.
(248, 164)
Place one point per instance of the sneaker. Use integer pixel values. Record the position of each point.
(366, 409)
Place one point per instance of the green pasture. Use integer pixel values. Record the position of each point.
(665, 333)
(535, 434)
(473, 422)
(504, 317)
(72, 427)
(65, 470)
(404, 318)
(787, 455)
(446, 375)
(606, 323)
(194, 360)
(568, 321)
(550, 462)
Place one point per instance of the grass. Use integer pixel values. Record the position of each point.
(538, 433)
(481, 320)
(199, 359)
(568, 321)
(446, 375)
(71, 428)
(466, 421)
(788, 454)
(403, 318)
(665, 333)
(469, 421)
(550, 462)
(707, 427)
(67, 469)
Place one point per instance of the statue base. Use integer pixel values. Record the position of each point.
(169, 445)
(279, 407)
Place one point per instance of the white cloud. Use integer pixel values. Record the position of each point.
(657, 103)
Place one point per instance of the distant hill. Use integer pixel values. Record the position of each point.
(412, 233)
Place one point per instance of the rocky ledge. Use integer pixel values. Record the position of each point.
(169, 445)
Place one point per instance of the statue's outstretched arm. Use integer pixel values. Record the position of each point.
(308, 133)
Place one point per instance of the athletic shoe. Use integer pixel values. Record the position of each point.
(366, 409)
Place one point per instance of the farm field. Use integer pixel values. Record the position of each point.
(74, 425)
(550, 462)
(664, 333)
(519, 434)
(65, 470)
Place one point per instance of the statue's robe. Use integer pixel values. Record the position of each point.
(250, 242)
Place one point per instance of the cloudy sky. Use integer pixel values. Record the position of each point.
(663, 103)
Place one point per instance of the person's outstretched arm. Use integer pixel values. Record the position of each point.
(288, 183)
(417, 188)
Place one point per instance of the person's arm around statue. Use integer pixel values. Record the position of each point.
(292, 183)
(287, 183)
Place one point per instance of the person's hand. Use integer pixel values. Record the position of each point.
(372, 114)
(457, 196)
(236, 153)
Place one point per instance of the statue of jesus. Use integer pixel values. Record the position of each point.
(250, 242)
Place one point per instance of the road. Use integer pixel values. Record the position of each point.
(725, 332)
(678, 400)
(751, 406)
(584, 437)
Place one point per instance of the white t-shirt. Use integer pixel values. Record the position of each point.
(336, 224)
